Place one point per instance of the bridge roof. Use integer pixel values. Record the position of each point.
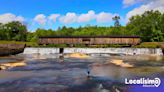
(89, 37)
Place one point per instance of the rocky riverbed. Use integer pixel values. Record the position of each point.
(49, 73)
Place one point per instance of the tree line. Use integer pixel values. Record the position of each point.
(149, 26)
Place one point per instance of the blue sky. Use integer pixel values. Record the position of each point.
(74, 13)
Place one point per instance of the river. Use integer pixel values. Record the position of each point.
(48, 73)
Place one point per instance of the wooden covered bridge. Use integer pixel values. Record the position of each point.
(90, 40)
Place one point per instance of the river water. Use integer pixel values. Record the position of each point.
(48, 73)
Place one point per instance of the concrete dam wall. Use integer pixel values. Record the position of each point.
(127, 51)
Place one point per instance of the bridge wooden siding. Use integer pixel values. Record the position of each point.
(98, 40)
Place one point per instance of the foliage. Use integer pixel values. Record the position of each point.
(13, 31)
(150, 26)
(28, 44)
(116, 19)
(54, 45)
(148, 45)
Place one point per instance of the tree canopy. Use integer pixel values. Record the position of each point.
(13, 31)
(150, 26)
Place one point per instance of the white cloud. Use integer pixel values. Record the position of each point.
(40, 18)
(53, 17)
(86, 17)
(153, 5)
(104, 17)
(68, 18)
(8, 17)
(129, 2)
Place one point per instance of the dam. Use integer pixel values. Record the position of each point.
(125, 51)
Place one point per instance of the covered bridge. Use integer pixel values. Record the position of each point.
(90, 40)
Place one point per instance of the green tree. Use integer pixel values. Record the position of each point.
(148, 25)
(117, 26)
(1, 32)
(13, 31)
(116, 19)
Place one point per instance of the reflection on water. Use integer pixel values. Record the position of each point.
(7, 59)
(48, 74)
(110, 71)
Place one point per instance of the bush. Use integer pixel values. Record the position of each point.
(53, 45)
(148, 45)
(161, 45)
(28, 44)
(31, 44)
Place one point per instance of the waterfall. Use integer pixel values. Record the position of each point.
(126, 51)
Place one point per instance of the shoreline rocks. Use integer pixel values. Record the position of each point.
(11, 49)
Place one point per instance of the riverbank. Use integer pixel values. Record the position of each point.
(11, 48)
(7, 51)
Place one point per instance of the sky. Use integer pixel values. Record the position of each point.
(73, 13)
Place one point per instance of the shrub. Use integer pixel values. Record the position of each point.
(147, 45)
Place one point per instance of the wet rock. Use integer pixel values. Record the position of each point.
(78, 55)
(4, 66)
(11, 49)
(121, 63)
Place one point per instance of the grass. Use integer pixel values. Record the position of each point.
(150, 45)
(142, 45)
(10, 42)
(28, 44)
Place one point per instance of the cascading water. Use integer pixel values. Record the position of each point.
(126, 51)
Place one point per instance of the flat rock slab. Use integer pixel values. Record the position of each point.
(7, 52)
